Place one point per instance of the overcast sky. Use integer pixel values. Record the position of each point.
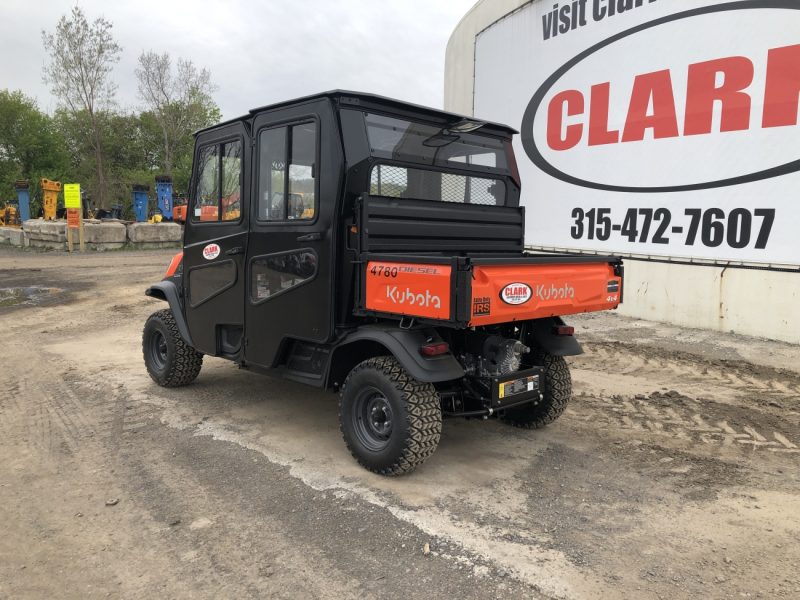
(258, 51)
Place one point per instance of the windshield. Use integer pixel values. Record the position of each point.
(399, 139)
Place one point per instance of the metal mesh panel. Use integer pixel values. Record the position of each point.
(400, 182)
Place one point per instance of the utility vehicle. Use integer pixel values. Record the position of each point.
(378, 252)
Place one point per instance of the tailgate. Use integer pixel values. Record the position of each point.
(518, 292)
(471, 293)
(410, 289)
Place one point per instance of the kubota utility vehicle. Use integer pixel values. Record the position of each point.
(378, 252)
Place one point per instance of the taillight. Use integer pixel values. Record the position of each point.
(563, 330)
(434, 349)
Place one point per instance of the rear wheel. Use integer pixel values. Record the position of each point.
(170, 361)
(557, 393)
(390, 422)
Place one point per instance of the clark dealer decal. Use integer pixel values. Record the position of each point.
(651, 128)
(211, 251)
(516, 293)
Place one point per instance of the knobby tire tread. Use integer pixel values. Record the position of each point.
(424, 415)
(187, 362)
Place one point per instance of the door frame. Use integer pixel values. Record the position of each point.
(327, 166)
(199, 234)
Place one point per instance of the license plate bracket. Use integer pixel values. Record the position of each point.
(517, 387)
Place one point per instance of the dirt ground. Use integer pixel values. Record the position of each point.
(673, 474)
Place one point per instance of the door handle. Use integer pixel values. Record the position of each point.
(310, 237)
(235, 251)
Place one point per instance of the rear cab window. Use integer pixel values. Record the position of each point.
(413, 159)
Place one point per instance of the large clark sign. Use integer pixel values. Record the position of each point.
(668, 131)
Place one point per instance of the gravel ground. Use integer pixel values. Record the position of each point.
(673, 474)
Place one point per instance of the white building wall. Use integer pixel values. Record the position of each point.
(747, 301)
(460, 56)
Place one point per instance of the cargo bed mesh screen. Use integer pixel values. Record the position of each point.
(399, 182)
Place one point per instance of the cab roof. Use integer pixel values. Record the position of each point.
(349, 99)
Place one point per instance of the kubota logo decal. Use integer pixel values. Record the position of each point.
(412, 298)
(211, 251)
(516, 293)
(661, 93)
(554, 292)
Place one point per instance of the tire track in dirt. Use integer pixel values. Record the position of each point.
(706, 426)
(58, 413)
(10, 407)
(668, 367)
(711, 406)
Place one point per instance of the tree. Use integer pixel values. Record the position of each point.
(127, 152)
(82, 56)
(180, 102)
(31, 147)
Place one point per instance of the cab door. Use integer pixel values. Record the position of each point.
(290, 254)
(215, 241)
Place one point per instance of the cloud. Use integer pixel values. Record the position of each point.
(258, 51)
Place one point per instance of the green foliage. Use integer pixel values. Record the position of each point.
(82, 56)
(89, 140)
(179, 102)
(31, 145)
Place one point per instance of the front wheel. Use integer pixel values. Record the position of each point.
(557, 393)
(390, 422)
(170, 361)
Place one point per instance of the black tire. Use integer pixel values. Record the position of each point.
(390, 422)
(170, 361)
(557, 393)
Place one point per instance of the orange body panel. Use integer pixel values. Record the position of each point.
(173, 264)
(551, 290)
(416, 290)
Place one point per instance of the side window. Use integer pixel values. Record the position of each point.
(231, 200)
(219, 183)
(301, 171)
(287, 173)
(271, 174)
(279, 272)
(207, 193)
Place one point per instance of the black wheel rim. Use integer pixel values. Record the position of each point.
(158, 350)
(373, 419)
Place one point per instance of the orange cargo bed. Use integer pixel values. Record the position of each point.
(474, 292)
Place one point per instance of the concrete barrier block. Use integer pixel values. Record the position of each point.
(39, 243)
(31, 226)
(13, 236)
(155, 233)
(46, 234)
(53, 231)
(104, 233)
